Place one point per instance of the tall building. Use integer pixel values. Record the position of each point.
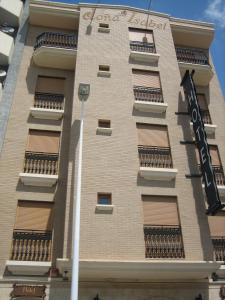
(144, 231)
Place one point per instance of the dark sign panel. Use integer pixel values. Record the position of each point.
(22, 290)
(214, 203)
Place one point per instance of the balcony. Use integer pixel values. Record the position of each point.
(163, 242)
(219, 248)
(209, 127)
(30, 253)
(55, 50)
(145, 52)
(195, 59)
(40, 169)
(220, 179)
(149, 99)
(47, 106)
(156, 163)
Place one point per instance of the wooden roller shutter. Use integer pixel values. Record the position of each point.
(217, 225)
(160, 210)
(32, 215)
(202, 102)
(214, 153)
(152, 135)
(146, 78)
(50, 85)
(43, 141)
(213, 150)
(137, 35)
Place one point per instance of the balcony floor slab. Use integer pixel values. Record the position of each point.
(47, 114)
(53, 57)
(33, 179)
(154, 107)
(164, 174)
(38, 268)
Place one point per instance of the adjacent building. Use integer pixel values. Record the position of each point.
(144, 230)
(10, 20)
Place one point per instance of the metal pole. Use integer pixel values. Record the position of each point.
(76, 215)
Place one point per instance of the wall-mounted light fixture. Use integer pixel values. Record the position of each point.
(199, 297)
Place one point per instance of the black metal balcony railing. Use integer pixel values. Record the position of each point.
(142, 47)
(48, 101)
(156, 157)
(163, 242)
(206, 116)
(41, 163)
(30, 245)
(148, 94)
(219, 175)
(192, 55)
(54, 39)
(219, 248)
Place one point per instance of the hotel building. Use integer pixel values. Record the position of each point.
(144, 229)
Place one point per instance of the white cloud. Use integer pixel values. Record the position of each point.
(216, 12)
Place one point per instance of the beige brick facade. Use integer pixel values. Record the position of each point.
(110, 162)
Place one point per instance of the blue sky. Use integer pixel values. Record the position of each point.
(202, 10)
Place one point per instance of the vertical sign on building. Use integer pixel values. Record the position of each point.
(213, 200)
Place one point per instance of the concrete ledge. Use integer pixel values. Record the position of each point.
(154, 107)
(38, 179)
(104, 30)
(145, 270)
(221, 189)
(203, 73)
(28, 267)
(144, 56)
(163, 174)
(104, 207)
(104, 74)
(103, 130)
(50, 114)
(209, 128)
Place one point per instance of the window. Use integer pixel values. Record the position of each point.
(204, 109)
(217, 232)
(103, 25)
(51, 85)
(216, 163)
(146, 78)
(42, 150)
(141, 35)
(43, 141)
(104, 123)
(147, 86)
(49, 93)
(141, 40)
(104, 199)
(33, 229)
(162, 229)
(104, 68)
(153, 146)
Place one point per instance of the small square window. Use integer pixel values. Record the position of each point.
(104, 123)
(103, 25)
(104, 199)
(104, 68)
